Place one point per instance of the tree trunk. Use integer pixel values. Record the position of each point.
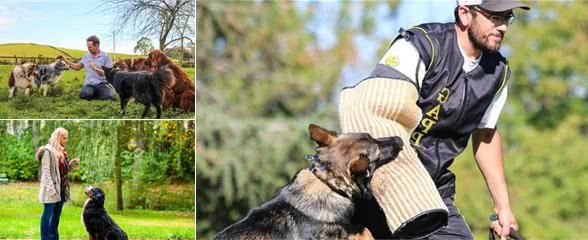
(122, 137)
(181, 48)
(35, 136)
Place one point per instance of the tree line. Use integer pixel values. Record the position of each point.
(137, 153)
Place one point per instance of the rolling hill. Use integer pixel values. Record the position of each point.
(36, 50)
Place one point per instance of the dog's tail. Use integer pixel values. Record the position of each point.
(11, 83)
(11, 80)
(163, 80)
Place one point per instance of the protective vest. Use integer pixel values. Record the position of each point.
(452, 101)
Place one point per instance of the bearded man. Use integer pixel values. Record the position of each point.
(461, 86)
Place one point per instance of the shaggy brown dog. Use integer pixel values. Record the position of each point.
(183, 93)
(132, 65)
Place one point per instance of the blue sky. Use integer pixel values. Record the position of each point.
(67, 23)
(61, 23)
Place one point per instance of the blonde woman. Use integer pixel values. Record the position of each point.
(54, 183)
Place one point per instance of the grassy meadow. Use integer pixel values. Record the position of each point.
(21, 211)
(63, 102)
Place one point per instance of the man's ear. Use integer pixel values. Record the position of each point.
(321, 136)
(465, 17)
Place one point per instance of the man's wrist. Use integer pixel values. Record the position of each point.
(501, 206)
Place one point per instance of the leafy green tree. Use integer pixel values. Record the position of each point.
(144, 46)
(263, 77)
(548, 81)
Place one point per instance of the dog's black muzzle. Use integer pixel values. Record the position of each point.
(389, 149)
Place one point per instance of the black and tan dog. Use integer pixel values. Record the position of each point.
(319, 201)
(97, 222)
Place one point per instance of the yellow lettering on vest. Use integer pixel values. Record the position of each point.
(434, 113)
(416, 137)
(443, 95)
(428, 124)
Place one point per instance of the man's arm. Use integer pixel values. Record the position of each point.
(488, 154)
(72, 65)
(97, 69)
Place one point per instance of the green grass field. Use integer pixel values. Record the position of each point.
(63, 102)
(34, 50)
(20, 214)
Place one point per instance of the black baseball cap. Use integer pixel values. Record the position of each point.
(494, 5)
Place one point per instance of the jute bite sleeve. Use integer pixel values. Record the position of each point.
(403, 188)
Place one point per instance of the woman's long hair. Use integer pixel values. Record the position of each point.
(54, 142)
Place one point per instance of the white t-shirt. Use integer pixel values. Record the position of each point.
(406, 59)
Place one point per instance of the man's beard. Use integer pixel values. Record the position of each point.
(478, 41)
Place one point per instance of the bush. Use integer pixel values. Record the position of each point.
(176, 197)
(18, 161)
(243, 162)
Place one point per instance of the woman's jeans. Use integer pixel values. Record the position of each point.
(50, 219)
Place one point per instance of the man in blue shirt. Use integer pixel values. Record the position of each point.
(95, 84)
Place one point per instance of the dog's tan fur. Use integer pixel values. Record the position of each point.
(22, 77)
(319, 201)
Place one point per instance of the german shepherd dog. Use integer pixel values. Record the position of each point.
(318, 203)
(146, 87)
(97, 222)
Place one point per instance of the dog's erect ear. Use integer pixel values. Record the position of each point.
(359, 166)
(321, 136)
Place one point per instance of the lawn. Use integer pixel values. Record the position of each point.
(21, 211)
(63, 102)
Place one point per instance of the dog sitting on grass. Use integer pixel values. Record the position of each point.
(99, 225)
(318, 203)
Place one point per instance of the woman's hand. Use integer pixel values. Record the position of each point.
(75, 162)
(54, 195)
